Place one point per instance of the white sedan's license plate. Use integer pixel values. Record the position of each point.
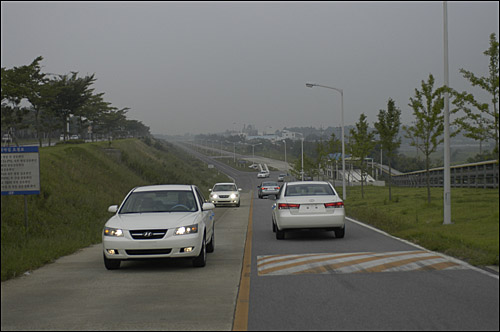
(312, 208)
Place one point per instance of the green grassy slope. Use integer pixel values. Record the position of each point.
(78, 183)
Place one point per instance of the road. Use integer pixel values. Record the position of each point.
(285, 291)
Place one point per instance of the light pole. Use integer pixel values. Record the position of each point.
(253, 151)
(310, 85)
(447, 170)
(302, 172)
(286, 164)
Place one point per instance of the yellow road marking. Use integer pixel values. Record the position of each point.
(240, 322)
(366, 262)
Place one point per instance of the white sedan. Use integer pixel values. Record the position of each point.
(160, 221)
(225, 193)
(263, 174)
(308, 205)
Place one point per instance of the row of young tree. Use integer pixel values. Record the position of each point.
(474, 119)
(45, 102)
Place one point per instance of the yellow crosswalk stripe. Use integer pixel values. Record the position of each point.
(365, 262)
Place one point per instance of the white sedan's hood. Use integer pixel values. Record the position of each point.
(225, 192)
(152, 220)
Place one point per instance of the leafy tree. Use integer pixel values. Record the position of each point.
(361, 144)
(483, 125)
(426, 132)
(388, 128)
(13, 92)
(72, 94)
(36, 91)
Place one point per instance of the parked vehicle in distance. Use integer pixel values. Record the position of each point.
(160, 221)
(254, 166)
(268, 188)
(225, 193)
(281, 177)
(6, 138)
(74, 137)
(263, 175)
(308, 205)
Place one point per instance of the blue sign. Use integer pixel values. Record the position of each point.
(20, 170)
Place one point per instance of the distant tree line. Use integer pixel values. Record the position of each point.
(43, 104)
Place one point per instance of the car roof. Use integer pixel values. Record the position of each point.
(161, 187)
(224, 183)
(307, 182)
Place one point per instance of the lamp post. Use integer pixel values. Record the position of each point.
(310, 85)
(286, 164)
(447, 170)
(253, 151)
(302, 172)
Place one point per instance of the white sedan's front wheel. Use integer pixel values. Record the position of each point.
(111, 264)
(201, 259)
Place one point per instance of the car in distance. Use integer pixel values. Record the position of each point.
(308, 205)
(225, 193)
(160, 221)
(281, 177)
(268, 188)
(6, 138)
(263, 174)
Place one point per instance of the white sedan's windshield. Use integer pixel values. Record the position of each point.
(308, 190)
(225, 187)
(160, 201)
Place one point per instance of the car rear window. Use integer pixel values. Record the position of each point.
(309, 190)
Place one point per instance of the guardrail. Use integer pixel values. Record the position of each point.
(475, 175)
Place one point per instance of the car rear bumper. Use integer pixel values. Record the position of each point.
(309, 221)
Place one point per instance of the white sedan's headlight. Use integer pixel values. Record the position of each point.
(108, 231)
(191, 229)
(214, 196)
(233, 196)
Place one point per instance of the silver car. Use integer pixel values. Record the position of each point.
(308, 205)
(268, 188)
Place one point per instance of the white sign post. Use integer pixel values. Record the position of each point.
(21, 173)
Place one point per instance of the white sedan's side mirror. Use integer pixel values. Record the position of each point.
(239, 189)
(208, 206)
(113, 208)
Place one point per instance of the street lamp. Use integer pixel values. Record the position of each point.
(310, 85)
(286, 164)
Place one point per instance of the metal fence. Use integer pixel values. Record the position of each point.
(476, 175)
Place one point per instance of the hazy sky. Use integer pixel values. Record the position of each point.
(204, 67)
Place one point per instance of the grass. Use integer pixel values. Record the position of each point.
(78, 183)
(473, 235)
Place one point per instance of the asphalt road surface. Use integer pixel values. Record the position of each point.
(309, 281)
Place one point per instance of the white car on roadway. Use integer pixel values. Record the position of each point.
(225, 193)
(159, 221)
(308, 205)
(263, 174)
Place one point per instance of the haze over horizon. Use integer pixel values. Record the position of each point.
(208, 67)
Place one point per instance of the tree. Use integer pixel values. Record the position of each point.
(483, 125)
(426, 132)
(388, 128)
(73, 93)
(362, 143)
(13, 92)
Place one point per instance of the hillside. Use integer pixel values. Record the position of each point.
(78, 183)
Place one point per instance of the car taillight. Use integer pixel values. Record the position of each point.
(282, 206)
(334, 205)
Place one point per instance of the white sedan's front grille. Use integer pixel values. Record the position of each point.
(148, 234)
